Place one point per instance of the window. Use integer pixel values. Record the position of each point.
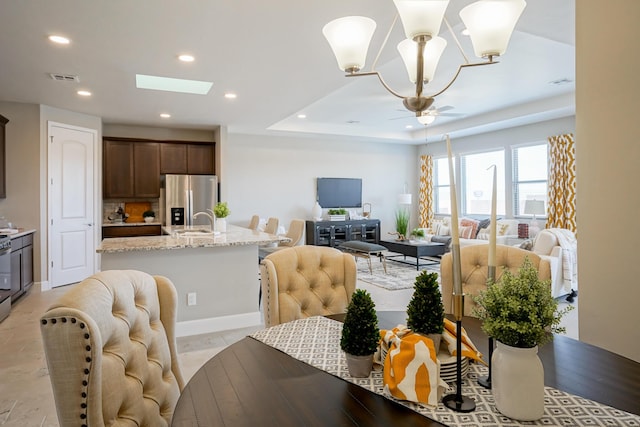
(441, 190)
(477, 183)
(529, 176)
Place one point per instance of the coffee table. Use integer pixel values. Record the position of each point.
(417, 249)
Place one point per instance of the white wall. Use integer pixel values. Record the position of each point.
(608, 156)
(276, 176)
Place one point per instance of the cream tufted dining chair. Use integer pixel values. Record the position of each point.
(295, 233)
(304, 281)
(111, 351)
(474, 261)
(272, 225)
(253, 224)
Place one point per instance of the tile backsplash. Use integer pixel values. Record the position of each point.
(109, 206)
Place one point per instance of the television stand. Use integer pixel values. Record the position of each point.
(334, 233)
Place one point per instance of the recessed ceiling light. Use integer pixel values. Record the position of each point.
(59, 39)
(172, 85)
(186, 58)
(465, 32)
(302, 116)
(230, 95)
(165, 115)
(409, 126)
(84, 93)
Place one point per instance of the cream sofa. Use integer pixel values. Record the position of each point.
(472, 231)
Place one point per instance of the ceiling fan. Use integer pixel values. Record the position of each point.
(429, 115)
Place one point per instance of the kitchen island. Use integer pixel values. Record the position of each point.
(216, 276)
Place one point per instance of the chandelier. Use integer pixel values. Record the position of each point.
(488, 22)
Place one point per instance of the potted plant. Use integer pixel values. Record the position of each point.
(402, 223)
(519, 312)
(337, 214)
(221, 212)
(425, 312)
(360, 334)
(148, 216)
(417, 233)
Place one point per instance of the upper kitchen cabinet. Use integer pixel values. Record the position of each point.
(131, 169)
(187, 158)
(3, 162)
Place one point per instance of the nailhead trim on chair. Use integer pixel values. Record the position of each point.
(85, 382)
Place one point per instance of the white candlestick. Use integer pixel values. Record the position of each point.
(455, 236)
(494, 225)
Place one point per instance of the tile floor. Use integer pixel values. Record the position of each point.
(26, 398)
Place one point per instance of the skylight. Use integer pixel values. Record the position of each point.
(172, 85)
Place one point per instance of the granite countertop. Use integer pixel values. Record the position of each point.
(235, 236)
(14, 233)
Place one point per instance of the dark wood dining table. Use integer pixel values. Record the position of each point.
(252, 384)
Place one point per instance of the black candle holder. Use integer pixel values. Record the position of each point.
(486, 381)
(457, 401)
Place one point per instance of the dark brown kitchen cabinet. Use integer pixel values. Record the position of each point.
(187, 158)
(21, 265)
(131, 169)
(173, 158)
(200, 159)
(3, 161)
(131, 231)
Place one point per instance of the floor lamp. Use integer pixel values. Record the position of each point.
(534, 207)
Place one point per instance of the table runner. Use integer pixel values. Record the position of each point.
(316, 341)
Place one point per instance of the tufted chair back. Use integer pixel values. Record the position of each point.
(111, 351)
(304, 281)
(474, 261)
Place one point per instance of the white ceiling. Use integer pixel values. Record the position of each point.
(273, 55)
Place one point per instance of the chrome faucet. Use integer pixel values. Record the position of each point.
(210, 215)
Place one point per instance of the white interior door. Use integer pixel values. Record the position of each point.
(71, 204)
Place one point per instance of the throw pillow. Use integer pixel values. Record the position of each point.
(483, 234)
(502, 229)
(443, 230)
(485, 223)
(473, 223)
(527, 244)
(465, 232)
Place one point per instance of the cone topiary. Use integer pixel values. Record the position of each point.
(425, 312)
(360, 333)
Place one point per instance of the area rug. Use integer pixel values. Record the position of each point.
(398, 276)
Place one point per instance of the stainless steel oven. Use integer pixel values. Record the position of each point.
(5, 276)
(5, 262)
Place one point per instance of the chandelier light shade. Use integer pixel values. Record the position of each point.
(490, 24)
(426, 119)
(349, 38)
(421, 17)
(432, 52)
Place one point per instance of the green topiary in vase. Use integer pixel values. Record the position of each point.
(360, 334)
(425, 312)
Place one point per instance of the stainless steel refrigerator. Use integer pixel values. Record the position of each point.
(184, 195)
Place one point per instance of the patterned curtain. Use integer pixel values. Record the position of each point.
(425, 196)
(562, 182)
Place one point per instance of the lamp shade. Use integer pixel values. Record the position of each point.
(349, 38)
(404, 199)
(534, 207)
(421, 17)
(426, 119)
(491, 23)
(432, 52)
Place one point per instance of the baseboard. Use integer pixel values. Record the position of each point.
(215, 324)
(44, 286)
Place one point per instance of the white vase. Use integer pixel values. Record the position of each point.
(316, 212)
(517, 382)
(221, 225)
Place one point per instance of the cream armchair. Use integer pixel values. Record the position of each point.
(111, 351)
(474, 261)
(304, 281)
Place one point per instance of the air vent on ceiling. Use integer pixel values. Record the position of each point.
(65, 77)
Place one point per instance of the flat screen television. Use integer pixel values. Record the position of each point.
(339, 192)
